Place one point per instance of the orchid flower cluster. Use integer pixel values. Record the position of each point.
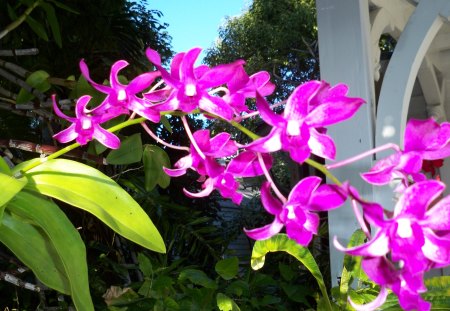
(410, 241)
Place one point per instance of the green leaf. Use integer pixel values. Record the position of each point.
(197, 277)
(225, 303)
(145, 265)
(63, 6)
(352, 267)
(438, 286)
(155, 159)
(33, 247)
(37, 28)
(286, 272)
(228, 268)
(64, 238)
(281, 243)
(10, 187)
(11, 13)
(4, 167)
(38, 81)
(89, 189)
(53, 22)
(130, 151)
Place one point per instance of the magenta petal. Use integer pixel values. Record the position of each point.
(269, 143)
(115, 68)
(106, 138)
(301, 192)
(312, 222)
(217, 106)
(418, 197)
(85, 72)
(265, 232)
(379, 177)
(209, 187)
(153, 56)
(222, 145)
(297, 103)
(322, 145)
(202, 138)
(219, 75)
(270, 204)
(246, 164)
(377, 246)
(325, 198)
(374, 304)
(298, 148)
(175, 65)
(419, 134)
(438, 217)
(142, 82)
(335, 110)
(267, 114)
(66, 135)
(80, 106)
(175, 172)
(59, 113)
(435, 248)
(187, 66)
(379, 270)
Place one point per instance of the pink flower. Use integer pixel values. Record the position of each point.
(85, 126)
(312, 106)
(298, 214)
(190, 85)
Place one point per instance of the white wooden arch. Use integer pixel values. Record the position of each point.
(416, 82)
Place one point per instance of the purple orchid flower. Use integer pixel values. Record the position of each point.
(241, 86)
(298, 213)
(190, 85)
(405, 285)
(122, 98)
(85, 126)
(311, 107)
(411, 235)
(424, 140)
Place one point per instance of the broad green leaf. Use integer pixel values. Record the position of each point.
(197, 277)
(11, 13)
(4, 167)
(64, 237)
(225, 303)
(154, 158)
(98, 146)
(145, 265)
(352, 267)
(33, 247)
(228, 268)
(38, 81)
(91, 190)
(37, 27)
(53, 22)
(10, 187)
(130, 151)
(281, 243)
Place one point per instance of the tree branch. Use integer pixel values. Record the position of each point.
(20, 20)
(19, 52)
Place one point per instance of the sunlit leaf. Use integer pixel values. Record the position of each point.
(130, 151)
(154, 158)
(37, 80)
(10, 187)
(64, 238)
(225, 303)
(89, 189)
(227, 268)
(4, 167)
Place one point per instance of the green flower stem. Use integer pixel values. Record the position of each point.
(19, 20)
(76, 145)
(244, 130)
(324, 170)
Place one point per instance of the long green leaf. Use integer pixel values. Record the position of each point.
(64, 237)
(37, 27)
(281, 243)
(32, 246)
(89, 189)
(10, 187)
(38, 81)
(53, 22)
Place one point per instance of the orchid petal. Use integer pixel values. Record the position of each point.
(335, 110)
(298, 233)
(302, 191)
(379, 177)
(142, 82)
(246, 164)
(80, 106)
(265, 232)
(377, 246)
(106, 138)
(325, 198)
(216, 106)
(298, 148)
(438, 217)
(66, 135)
(59, 113)
(269, 143)
(435, 248)
(322, 145)
(222, 146)
(379, 270)
(187, 66)
(419, 134)
(219, 75)
(418, 197)
(270, 204)
(115, 68)
(175, 65)
(209, 187)
(85, 72)
(267, 114)
(297, 103)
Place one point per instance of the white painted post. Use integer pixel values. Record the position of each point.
(344, 46)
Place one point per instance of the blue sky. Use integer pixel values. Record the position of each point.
(195, 23)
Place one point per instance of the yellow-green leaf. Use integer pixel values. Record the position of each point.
(10, 187)
(91, 190)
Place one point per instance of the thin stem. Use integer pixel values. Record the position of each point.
(255, 113)
(20, 20)
(270, 180)
(363, 155)
(159, 140)
(191, 138)
(244, 130)
(324, 170)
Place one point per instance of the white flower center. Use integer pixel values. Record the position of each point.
(291, 213)
(86, 124)
(293, 128)
(190, 90)
(122, 95)
(404, 229)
